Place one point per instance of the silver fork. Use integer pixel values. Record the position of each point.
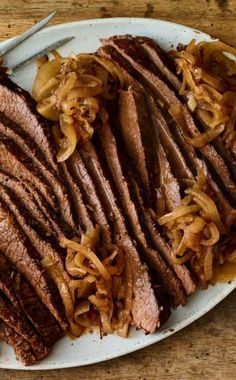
(27, 34)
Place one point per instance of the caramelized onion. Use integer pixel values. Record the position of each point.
(194, 228)
(208, 70)
(202, 139)
(75, 87)
(100, 289)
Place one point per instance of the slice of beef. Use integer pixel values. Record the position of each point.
(81, 213)
(165, 65)
(79, 172)
(132, 56)
(106, 195)
(175, 157)
(161, 179)
(168, 183)
(21, 347)
(13, 132)
(14, 162)
(159, 59)
(15, 246)
(25, 300)
(33, 203)
(158, 240)
(107, 144)
(45, 248)
(129, 59)
(18, 105)
(147, 313)
(129, 125)
(17, 321)
(195, 162)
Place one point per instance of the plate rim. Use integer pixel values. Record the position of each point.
(180, 324)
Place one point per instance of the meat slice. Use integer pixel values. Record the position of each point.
(20, 253)
(129, 125)
(129, 59)
(165, 65)
(82, 215)
(18, 105)
(79, 172)
(158, 240)
(14, 162)
(21, 347)
(176, 159)
(141, 279)
(43, 247)
(147, 313)
(22, 327)
(25, 300)
(161, 179)
(33, 203)
(116, 163)
(13, 132)
(106, 195)
(159, 59)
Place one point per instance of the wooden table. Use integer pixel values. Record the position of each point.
(207, 348)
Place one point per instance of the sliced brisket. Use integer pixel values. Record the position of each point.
(166, 67)
(13, 132)
(32, 202)
(20, 253)
(22, 348)
(44, 247)
(116, 165)
(161, 180)
(14, 162)
(18, 105)
(175, 157)
(79, 172)
(81, 213)
(129, 59)
(25, 300)
(129, 125)
(17, 321)
(92, 162)
(146, 313)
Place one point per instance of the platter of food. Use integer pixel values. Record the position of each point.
(118, 189)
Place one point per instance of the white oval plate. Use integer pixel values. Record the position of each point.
(90, 348)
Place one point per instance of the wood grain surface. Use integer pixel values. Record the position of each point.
(206, 350)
